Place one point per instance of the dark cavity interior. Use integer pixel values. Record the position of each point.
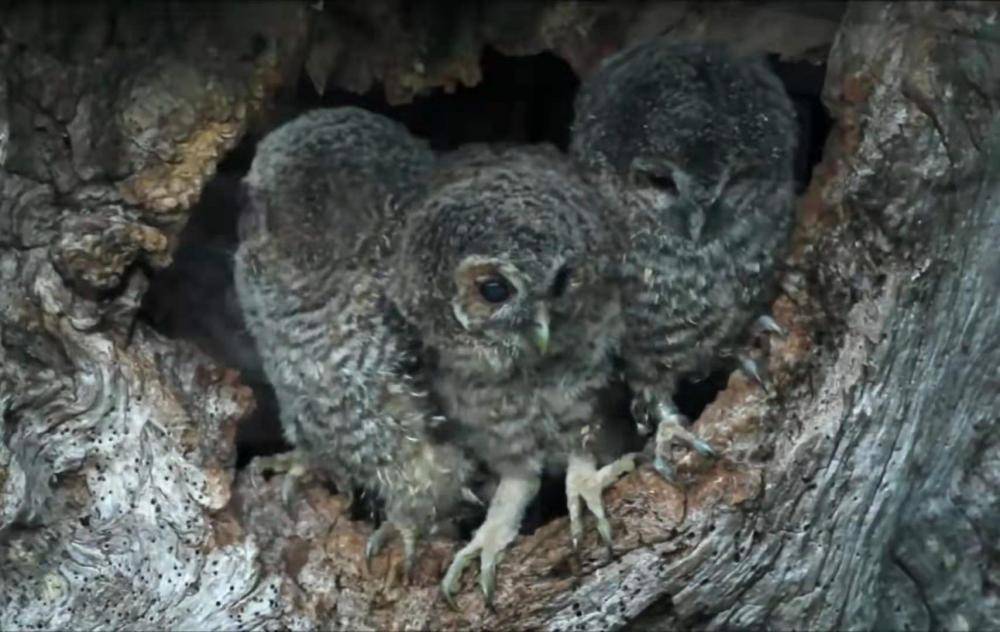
(520, 99)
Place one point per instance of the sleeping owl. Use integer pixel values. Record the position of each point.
(694, 148)
(325, 199)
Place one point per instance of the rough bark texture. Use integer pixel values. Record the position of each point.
(862, 493)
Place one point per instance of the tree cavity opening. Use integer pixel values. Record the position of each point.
(527, 99)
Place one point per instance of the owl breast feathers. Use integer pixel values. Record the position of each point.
(498, 271)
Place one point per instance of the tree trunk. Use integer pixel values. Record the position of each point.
(861, 492)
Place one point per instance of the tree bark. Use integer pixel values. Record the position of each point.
(861, 492)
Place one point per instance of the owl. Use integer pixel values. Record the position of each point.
(694, 148)
(325, 199)
(500, 272)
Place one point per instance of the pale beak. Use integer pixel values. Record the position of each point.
(540, 329)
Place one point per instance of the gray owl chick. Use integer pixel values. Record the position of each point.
(324, 198)
(695, 149)
(499, 270)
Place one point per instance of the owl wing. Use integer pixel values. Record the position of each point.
(325, 195)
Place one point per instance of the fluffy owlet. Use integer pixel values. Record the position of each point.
(324, 200)
(694, 147)
(500, 272)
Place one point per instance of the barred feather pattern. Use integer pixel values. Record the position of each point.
(694, 148)
(337, 353)
(690, 305)
(527, 208)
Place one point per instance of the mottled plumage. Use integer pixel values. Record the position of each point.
(324, 200)
(694, 147)
(500, 272)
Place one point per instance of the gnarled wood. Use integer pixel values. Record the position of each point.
(861, 493)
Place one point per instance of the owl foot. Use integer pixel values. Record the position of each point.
(293, 465)
(763, 325)
(751, 369)
(381, 535)
(672, 429)
(584, 481)
(503, 519)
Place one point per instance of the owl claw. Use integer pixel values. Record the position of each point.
(768, 324)
(666, 470)
(491, 538)
(375, 543)
(449, 598)
(751, 369)
(470, 496)
(702, 447)
(672, 428)
(290, 486)
(488, 556)
(292, 464)
(488, 580)
(380, 536)
(584, 481)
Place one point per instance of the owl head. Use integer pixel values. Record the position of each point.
(685, 131)
(325, 184)
(500, 263)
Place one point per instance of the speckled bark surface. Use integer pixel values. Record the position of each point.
(117, 448)
(861, 493)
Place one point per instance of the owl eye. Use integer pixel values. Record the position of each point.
(561, 281)
(495, 289)
(663, 182)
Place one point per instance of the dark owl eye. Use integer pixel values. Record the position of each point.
(561, 281)
(663, 182)
(494, 290)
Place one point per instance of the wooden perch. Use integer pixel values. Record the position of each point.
(861, 493)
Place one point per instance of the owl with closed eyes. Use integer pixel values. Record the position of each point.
(325, 200)
(694, 148)
(500, 271)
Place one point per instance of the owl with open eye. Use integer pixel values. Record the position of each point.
(501, 272)
(325, 199)
(694, 147)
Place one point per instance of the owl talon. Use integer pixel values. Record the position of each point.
(488, 558)
(666, 470)
(376, 542)
(488, 579)
(701, 446)
(752, 370)
(470, 497)
(493, 536)
(672, 428)
(291, 484)
(584, 481)
(293, 465)
(767, 324)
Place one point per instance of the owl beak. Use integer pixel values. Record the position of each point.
(540, 329)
